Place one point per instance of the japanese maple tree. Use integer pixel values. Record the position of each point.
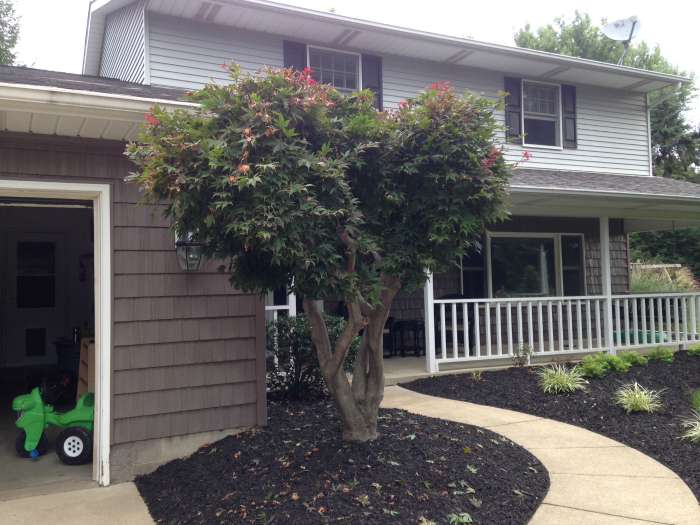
(297, 185)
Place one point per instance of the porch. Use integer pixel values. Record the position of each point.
(576, 298)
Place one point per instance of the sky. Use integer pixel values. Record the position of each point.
(53, 31)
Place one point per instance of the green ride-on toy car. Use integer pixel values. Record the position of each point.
(74, 443)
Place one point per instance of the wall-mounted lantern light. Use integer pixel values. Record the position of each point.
(189, 252)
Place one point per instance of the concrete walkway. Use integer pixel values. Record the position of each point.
(115, 505)
(594, 480)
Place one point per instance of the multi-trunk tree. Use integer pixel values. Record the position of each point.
(296, 185)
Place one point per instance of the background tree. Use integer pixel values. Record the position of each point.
(297, 185)
(675, 145)
(9, 31)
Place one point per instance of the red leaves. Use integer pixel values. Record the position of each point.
(151, 119)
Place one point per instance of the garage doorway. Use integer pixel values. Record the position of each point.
(55, 311)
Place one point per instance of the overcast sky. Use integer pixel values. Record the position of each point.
(52, 31)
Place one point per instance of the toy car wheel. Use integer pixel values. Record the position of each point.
(41, 447)
(74, 446)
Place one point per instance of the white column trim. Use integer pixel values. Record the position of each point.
(431, 365)
(606, 282)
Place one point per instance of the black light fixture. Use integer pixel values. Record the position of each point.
(189, 252)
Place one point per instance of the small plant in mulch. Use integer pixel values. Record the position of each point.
(299, 471)
(694, 351)
(476, 375)
(662, 353)
(691, 426)
(601, 364)
(635, 398)
(559, 379)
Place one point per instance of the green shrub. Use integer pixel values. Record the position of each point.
(634, 358)
(694, 350)
(635, 398)
(558, 379)
(598, 365)
(292, 367)
(661, 353)
(692, 428)
(695, 398)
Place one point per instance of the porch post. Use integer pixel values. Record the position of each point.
(292, 304)
(431, 365)
(606, 282)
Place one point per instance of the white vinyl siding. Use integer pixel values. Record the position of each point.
(124, 47)
(187, 54)
(611, 124)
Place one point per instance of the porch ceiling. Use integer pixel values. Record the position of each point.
(647, 203)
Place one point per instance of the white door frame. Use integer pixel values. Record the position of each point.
(99, 194)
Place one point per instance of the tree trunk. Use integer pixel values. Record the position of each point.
(357, 402)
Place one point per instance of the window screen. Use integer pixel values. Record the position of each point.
(541, 114)
(340, 70)
(572, 264)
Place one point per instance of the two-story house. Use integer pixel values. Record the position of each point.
(179, 355)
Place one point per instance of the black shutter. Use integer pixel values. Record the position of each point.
(514, 109)
(372, 77)
(568, 110)
(294, 55)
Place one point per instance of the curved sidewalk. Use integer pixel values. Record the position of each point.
(594, 479)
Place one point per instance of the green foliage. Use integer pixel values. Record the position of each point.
(673, 246)
(462, 518)
(9, 32)
(293, 370)
(661, 353)
(635, 398)
(477, 375)
(601, 364)
(694, 350)
(695, 399)
(558, 379)
(633, 358)
(298, 185)
(642, 282)
(692, 427)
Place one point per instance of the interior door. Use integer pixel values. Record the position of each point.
(34, 298)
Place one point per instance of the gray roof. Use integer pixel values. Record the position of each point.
(604, 183)
(57, 79)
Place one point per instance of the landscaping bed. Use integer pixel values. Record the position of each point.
(298, 471)
(656, 434)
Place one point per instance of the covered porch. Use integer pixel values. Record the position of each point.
(554, 281)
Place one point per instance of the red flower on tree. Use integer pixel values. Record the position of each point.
(151, 119)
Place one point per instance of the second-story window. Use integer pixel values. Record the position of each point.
(541, 114)
(340, 70)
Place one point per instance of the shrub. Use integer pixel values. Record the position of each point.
(635, 398)
(695, 398)
(598, 365)
(633, 358)
(293, 369)
(694, 350)
(692, 428)
(661, 353)
(649, 280)
(558, 379)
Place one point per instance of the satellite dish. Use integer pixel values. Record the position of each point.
(622, 31)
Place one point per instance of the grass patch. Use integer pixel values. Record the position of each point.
(635, 398)
(661, 353)
(692, 427)
(558, 379)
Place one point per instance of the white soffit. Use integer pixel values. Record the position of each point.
(334, 30)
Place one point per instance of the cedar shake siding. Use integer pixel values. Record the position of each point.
(410, 305)
(188, 349)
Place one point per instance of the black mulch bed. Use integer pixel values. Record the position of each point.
(657, 435)
(298, 471)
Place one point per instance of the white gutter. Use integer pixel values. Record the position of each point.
(70, 102)
(552, 190)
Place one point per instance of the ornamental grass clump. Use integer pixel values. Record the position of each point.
(692, 428)
(635, 398)
(559, 379)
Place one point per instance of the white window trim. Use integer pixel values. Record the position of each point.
(524, 81)
(341, 51)
(558, 263)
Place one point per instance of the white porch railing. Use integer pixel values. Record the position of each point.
(477, 329)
